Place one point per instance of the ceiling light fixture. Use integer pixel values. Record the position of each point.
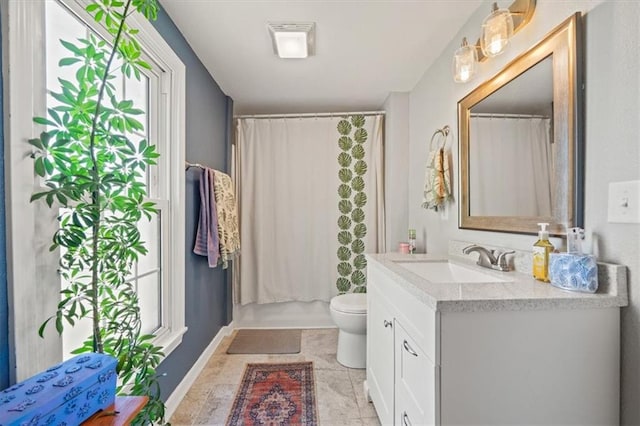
(497, 30)
(292, 40)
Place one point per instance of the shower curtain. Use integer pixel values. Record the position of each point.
(511, 166)
(311, 203)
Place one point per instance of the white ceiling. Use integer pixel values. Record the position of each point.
(364, 49)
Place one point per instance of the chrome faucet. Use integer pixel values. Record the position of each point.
(493, 259)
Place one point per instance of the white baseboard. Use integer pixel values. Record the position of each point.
(181, 390)
(365, 389)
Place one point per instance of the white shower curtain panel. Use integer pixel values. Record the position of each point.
(287, 172)
(512, 166)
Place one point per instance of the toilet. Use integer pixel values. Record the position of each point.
(349, 312)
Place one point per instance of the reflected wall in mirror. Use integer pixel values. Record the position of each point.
(511, 146)
(520, 141)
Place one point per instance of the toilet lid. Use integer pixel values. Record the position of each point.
(351, 303)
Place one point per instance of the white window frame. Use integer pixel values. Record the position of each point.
(31, 269)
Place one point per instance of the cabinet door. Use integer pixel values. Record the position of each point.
(415, 389)
(380, 354)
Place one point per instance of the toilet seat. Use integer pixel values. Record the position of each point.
(352, 303)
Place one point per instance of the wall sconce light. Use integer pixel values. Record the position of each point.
(497, 29)
(465, 62)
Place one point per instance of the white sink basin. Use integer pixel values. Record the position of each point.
(446, 272)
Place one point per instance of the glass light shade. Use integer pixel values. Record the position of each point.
(465, 62)
(291, 44)
(497, 29)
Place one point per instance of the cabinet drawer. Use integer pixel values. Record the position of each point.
(416, 382)
(418, 319)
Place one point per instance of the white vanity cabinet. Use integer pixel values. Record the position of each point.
(401, 368)
(464, 363)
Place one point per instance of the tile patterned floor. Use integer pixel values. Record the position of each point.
(341, 400)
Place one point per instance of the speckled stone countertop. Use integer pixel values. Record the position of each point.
(520, 292)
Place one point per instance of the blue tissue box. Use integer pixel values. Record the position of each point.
(576, 272)
(66, 394)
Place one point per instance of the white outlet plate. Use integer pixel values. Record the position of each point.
(624, 202)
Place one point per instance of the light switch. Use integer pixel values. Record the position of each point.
(624, 202)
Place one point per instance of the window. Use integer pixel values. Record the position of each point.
(158, 276)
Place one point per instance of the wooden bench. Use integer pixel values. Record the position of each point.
(125, 407)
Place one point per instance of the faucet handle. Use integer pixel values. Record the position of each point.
(501, 258)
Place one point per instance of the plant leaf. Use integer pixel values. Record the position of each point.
(68, 61)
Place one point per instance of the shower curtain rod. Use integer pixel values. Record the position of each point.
(303, 115)
(489, 115)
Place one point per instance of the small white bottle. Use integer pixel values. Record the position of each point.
(574, 240)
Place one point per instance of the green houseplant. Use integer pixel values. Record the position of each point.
(91, 168)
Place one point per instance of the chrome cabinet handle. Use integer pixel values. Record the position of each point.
(409, 349)
(387, 324)
(405, 419)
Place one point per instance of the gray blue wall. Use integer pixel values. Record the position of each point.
(208, 291)
(4, 308)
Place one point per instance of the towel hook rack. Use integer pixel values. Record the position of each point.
(188, 165)
(444, 132)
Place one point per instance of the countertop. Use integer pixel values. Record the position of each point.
(522, 292)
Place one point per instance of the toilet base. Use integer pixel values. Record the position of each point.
(352, 349)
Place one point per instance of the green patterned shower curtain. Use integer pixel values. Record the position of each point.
(352, 201)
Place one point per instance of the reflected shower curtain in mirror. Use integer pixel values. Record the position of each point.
(510, 166)
(298, 179)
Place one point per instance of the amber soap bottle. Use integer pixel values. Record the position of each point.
(541, 250)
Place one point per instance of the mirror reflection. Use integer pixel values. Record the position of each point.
(511, 147)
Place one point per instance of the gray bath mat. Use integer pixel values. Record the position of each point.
(265, 341)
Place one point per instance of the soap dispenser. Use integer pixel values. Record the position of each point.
(412, 241)
(541, 250)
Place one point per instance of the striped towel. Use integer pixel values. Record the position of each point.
(207, 240)
(227, 217)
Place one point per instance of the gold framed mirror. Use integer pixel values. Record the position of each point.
(521, 149)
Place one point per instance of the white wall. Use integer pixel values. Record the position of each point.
(613, 154)
(612, 148)
(396, 158)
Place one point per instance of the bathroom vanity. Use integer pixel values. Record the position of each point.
(451, 343)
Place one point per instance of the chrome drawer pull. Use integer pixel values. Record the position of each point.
(405, 419)
(387, 324)
(408, 348)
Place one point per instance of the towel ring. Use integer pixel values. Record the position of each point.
(444, 132)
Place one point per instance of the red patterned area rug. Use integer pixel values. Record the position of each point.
(276, 395)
